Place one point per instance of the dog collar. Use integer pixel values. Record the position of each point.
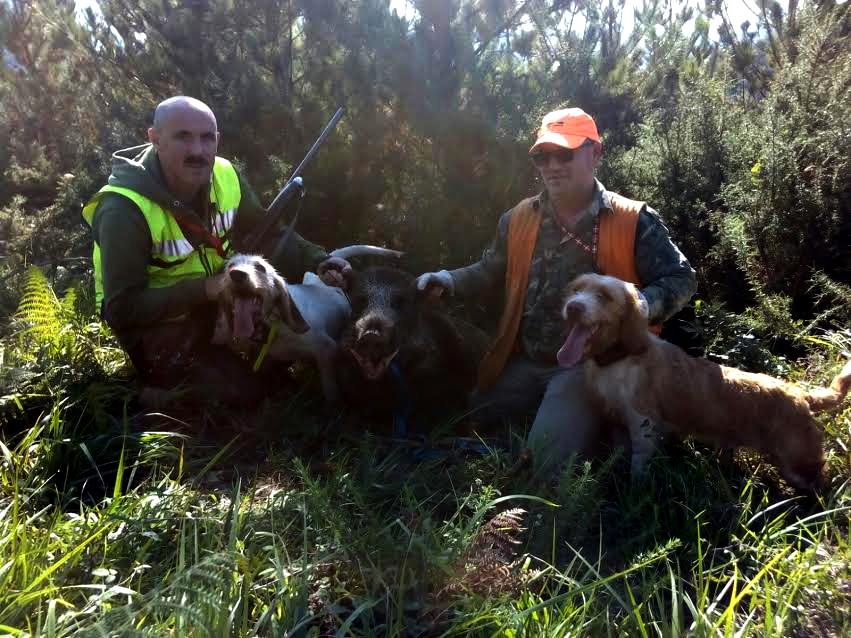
(615, 353)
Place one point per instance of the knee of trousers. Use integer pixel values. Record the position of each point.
(568, 385)
(567, 416)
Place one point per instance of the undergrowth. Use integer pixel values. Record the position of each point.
(114, 524)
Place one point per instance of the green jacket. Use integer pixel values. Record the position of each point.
(130, 306)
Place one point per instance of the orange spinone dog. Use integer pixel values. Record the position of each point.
(645, 382)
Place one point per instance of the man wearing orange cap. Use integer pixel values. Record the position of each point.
(574, 226)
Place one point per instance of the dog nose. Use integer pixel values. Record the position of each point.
(574, 308)
(237, 276)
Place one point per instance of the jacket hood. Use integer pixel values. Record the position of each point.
(138, 169)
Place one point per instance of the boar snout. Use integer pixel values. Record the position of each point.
(374, 346)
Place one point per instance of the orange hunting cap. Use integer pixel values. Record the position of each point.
(567, 128)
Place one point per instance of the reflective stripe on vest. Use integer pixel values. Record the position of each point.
(173, 257)
(173, 248)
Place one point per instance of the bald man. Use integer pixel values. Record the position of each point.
(170, 215)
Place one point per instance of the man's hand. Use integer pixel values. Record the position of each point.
(215, 284)
(434, 283)
(335, 271)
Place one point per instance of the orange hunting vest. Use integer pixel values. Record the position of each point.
(615, 257)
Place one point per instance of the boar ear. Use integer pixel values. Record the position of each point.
(287, 309)
(634, 336)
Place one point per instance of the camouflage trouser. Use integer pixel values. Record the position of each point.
(565, 421)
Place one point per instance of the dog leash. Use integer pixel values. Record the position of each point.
(423, 451)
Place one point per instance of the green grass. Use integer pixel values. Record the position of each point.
(110, 525)
(364, 541)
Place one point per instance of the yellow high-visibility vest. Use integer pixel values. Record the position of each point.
(173, 258)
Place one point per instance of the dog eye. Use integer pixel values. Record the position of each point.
(259, 267)
(602, 295)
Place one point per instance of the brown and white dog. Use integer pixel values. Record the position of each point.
(254, 296)
(308, 316)
(645, 382)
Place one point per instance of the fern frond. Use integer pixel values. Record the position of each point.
(68, 306)
(39, 308)
(489, 566)
(196, 595)
(496, 540)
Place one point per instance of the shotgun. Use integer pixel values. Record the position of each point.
(295, 184)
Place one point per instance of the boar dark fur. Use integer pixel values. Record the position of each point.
(400, 349)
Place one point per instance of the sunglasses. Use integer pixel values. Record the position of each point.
(562, 156)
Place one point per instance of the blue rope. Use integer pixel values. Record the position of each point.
(401, 412)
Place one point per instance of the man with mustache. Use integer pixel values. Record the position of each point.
(170, 215)
(574, 226)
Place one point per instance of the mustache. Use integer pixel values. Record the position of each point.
(196, 160)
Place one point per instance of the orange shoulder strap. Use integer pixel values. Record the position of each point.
(522, 236)
(616, 249)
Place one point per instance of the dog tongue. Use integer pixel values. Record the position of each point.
(574, 346)
(243, 317)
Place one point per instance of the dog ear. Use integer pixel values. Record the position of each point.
(287, 309)
(223, 331)
(634, 335)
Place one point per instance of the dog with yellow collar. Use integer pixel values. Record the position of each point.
(260, 314)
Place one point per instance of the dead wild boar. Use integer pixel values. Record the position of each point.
(402, 352)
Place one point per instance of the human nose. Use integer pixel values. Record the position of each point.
(195, 146)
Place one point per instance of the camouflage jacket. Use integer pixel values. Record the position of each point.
(668, 279)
